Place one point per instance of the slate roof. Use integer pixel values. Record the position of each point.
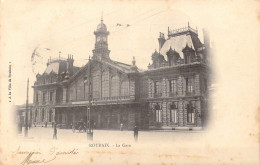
(179, 42)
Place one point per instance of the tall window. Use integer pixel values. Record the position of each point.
(44, 97)
(157, 113)
(115, 86)
(189, 84)
(157, 89)
(173, 86)
(190, 113)
(187, 59)
(173, 112)
(125, 88)
(96, 84)
(42, 114)
(105, 84)
(51, 94)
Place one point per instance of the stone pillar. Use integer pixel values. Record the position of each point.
(164, 113)
(164, 87)
(185, 119)
(180, 113)
(168, 120)
(180, 86)
(150, 88)
(198, 113)
(167, 88)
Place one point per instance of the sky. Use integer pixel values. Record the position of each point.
(68, 28)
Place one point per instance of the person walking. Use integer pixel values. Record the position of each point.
(121, 127)
(136, 132)
(55, 132)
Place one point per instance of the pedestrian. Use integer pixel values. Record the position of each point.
(121, 127)
(46, 124)
(136, 133)
(55, 132)
(52, 124)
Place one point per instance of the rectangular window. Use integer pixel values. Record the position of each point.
(157, 89)
(158, 116)
(173, 86)
(173, 114)
(190, 113)
(189, 85)
(44, 97)
(51, 94)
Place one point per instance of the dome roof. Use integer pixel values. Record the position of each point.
(101, 26)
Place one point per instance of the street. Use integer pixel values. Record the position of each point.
(41, 133)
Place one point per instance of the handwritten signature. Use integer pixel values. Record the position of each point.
(53, 154)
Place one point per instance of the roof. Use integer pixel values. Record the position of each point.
(179, 42)
(52, 67)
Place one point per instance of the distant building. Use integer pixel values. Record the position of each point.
(171, 94)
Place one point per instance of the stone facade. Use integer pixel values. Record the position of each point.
(171, 94)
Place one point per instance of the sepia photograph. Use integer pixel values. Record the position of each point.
(129, 82)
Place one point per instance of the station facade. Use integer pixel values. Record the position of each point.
(172, 93)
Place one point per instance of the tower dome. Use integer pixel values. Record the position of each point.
(101, 26)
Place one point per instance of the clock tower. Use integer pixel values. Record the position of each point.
(101, 47)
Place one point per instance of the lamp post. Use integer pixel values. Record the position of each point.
(26, 112)
(90, 127)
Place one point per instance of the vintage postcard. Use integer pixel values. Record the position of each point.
(129, 82)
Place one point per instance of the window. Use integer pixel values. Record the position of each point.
(173, 86)
(157, 87)
(115, 86)
(189, 84)
(96, 82)
(190, 113)
(173, 112)
(42, 114)
(51, 93)
(187, 59)
(105, 84)
(44, 97)
(125, 88)
(158, 113)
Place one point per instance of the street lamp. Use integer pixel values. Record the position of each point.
(90, 127)
(26, 112)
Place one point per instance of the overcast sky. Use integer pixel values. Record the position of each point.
(68, 27)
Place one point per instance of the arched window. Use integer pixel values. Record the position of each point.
(190, 112)
(115, 86)
(173, 112)
(157, 108)
(105, 84)
(125, 88)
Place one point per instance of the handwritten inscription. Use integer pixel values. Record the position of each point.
(37, 157)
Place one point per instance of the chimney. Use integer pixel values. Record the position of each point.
(70, 62)
(161, 40)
